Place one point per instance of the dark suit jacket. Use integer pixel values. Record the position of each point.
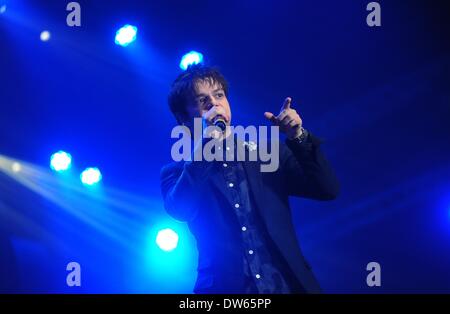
(193, 194)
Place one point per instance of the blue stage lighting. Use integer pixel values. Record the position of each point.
(91, 176)
(3, 9)
(60, 161)
(191, 58)
(45, 36)
(16, 167)
(167, 239)
(126, 35)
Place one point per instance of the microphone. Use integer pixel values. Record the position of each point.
(220, 123)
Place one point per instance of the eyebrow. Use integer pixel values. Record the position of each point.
(214, 91)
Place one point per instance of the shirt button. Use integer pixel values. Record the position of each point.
(258, 276)
(230, 185)
(228, 148)
(244, 228)
(225, 165)
(236, 205)
(250, 252)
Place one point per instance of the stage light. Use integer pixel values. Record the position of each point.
(126, 35)
(167, 239)
(91, 176)
(3, 9)
(45, 36)
(191, 58)
(60, 161)
(16, 167)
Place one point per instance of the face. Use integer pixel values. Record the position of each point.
(206, 96)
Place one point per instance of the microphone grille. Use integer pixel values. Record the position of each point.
(220, 124)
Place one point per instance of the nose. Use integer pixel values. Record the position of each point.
(212, 102)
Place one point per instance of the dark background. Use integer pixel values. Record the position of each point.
(379, 96)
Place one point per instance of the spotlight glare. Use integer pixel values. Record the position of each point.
(60, 161)
(45, 36)
(3, 9)
(91, 176)
(16, 167)
(126, 35)
(191, 58)
(167, 239)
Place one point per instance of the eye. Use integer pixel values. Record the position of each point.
(219, 95)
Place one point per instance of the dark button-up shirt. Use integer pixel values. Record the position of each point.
(263, 272)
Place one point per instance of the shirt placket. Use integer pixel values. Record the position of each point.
(242, 210)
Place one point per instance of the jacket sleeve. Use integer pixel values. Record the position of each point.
(306, 171)
(181, 187)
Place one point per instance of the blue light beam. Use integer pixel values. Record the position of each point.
(126, 35)
(191, 58)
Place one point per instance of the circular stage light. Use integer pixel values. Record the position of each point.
(91, 176)
(60, 161)
(126, 35)
(167, 239)
(45, 36)
(191, 58)
(16, 167)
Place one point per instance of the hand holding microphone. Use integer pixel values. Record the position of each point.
(215, 116)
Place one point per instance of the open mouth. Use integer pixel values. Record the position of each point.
(220, 117)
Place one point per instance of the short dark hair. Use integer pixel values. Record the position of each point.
(183, 88)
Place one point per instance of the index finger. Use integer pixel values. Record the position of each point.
(286, 104)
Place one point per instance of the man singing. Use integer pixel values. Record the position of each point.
(239, 215)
